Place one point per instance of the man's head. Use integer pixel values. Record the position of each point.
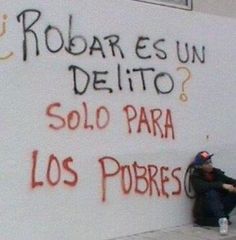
(203, 160)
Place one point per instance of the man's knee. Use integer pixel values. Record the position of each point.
(232, 195)
(230, 201)
(212, 195)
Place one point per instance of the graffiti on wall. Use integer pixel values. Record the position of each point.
(137, 178)
(104, 48)
(3, 31)
(151, 180)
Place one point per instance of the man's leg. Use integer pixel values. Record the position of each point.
(213, 208)
(229, 202)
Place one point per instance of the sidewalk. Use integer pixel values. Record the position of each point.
(186, 232)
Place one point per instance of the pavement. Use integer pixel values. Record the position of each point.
(186, 232)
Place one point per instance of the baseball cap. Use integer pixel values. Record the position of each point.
(202, 157)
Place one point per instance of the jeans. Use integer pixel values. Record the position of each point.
(217, 204)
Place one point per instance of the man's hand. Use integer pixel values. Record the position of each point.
(229, 187)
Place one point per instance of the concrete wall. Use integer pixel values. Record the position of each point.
(103, 106)
(225, 8)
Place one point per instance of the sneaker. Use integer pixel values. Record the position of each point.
(223, 224)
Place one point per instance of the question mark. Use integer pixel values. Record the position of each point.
(183, 96)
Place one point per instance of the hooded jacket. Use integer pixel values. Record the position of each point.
(201, 184)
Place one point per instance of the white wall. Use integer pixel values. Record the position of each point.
(52, 182)
(225, 8)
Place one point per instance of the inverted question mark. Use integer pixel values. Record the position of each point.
(183, 96)
(2, 33)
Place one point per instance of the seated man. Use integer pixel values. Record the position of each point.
(215, 193)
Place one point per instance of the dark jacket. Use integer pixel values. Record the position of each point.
(201, 185)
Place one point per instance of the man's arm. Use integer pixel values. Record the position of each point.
(201, 186)
(223, 178)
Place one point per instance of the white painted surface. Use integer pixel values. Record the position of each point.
(226, 8)
(205, 121)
